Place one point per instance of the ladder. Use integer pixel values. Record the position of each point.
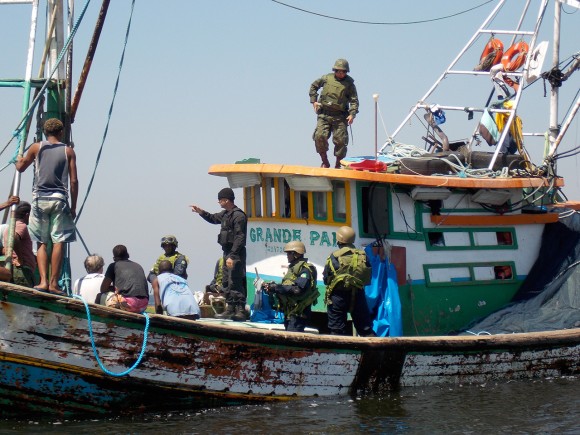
(484, 29)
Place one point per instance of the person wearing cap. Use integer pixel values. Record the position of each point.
(297, 292)
(178, 261)
(52, 218)
(336, 108)
(232, 239)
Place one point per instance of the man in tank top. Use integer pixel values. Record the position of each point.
(52, 219)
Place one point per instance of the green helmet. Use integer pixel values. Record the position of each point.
(345, 235)
(169, 240)
(341, 64)
(295, 246)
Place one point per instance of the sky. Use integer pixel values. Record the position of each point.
(207, 82)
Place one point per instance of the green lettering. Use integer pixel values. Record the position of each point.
(278, 235)
(297, 235)
(314, 236)
(325, 239)
(259, 236)
(269, 237)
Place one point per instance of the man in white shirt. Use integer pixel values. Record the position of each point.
(89, 286)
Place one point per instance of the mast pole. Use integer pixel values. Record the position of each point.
(23, 137)
(554, 127)
(376, 98)
(89, 59)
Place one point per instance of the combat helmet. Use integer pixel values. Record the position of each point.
(295, 246)
(341, 64)
(169, 240)
(345, 235)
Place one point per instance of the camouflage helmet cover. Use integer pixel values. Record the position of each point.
(295, 246)
(345, 235)
(341, 64)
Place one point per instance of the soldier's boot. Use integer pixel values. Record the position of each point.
(240, 313)
(227, 314)
(325, 162)
(337, 165)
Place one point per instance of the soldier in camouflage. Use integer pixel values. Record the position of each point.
(336, 108)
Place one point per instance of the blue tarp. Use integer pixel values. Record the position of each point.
(265, 314)
(382, 296)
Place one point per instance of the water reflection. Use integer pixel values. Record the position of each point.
(546, 406)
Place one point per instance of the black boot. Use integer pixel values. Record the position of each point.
(227, 314)
(325, 162)
(240, 313)
(337, 165)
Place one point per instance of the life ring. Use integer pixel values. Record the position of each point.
(493, 45)
(515, 56)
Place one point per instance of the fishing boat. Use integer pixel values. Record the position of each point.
(468, 234)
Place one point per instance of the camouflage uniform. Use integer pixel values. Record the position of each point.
(339, 99)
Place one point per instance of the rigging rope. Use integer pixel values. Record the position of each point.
(23, 121)
(110, 113)
(96, 353)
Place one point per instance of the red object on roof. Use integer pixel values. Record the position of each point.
(369, 165)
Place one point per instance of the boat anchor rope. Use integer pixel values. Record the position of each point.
(103, 368)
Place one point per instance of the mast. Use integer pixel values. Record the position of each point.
(23, 136)
(554, 127)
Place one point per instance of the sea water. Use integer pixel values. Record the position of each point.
(524, 407)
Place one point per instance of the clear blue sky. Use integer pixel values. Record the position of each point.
(217, 81)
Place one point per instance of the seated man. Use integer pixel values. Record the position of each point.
(216, 284)
(178, 261)
(23, 258)
(131, 289)
(173, 295)
(89, 286)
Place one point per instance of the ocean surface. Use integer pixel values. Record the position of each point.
(519, 407)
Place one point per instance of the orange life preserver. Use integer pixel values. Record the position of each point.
(515, 56)
(493, 45)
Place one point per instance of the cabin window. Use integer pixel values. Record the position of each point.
(339, 201)
(248, 202)
(469, 273)
(469, 239)
(283, 202)
(301, 204)
(269, 197)
(374, 203)
(320, 205)
(253, 201)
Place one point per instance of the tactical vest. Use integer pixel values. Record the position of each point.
(334, 95)
(226, 235)
(352, 273)
(296, 304)
(172, 259)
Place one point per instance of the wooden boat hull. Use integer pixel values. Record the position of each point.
(48, 365)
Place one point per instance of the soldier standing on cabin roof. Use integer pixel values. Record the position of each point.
(232, 238)
(336, 108)
(345, 274)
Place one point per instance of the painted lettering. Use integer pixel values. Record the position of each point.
(314, 236)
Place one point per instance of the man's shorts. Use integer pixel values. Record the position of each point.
(51, 220)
